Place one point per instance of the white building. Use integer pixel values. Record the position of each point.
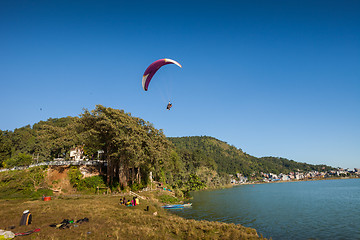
(285, 178)
(77, 153)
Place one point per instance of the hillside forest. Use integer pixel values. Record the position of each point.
(133, 148)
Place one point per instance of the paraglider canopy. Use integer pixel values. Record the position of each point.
(152, 69)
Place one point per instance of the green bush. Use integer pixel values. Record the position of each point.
(75, 176)
(178, 193)
(168, 199)
(28, 183)
(84, 184)
(19, 160)
(93, 182)
(41, 192)
(194, 183)
(136, 186)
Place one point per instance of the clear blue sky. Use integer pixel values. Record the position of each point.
(274, 78)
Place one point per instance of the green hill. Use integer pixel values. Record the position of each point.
(228, 159)
(232, 160)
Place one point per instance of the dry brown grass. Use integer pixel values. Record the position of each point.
(109, 220)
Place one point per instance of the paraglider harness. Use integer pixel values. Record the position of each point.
(169, 106)
(26, 218)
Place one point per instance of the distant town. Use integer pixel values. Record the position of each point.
(296, 176)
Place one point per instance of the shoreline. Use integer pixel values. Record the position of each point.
(280, 181)
(303, 180)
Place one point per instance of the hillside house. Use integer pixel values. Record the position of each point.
(77, 153)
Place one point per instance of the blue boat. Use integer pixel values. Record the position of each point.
(176, 206)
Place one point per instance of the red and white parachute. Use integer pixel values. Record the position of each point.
(152, 69)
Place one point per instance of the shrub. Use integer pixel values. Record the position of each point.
(178, 193)
(93, 182)
(19, 160)
(28, 183)
(84, 184)
(168, 199)
(41, 192)
(136, 186)
(75, 176)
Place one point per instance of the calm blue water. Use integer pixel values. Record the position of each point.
(328, 209)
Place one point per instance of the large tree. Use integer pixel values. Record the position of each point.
(132, 146)
(5, 146)
(55, 137)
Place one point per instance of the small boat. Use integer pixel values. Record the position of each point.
(176, 206)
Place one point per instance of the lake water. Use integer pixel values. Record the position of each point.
(328, 209)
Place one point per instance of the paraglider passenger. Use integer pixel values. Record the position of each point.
(169, 106)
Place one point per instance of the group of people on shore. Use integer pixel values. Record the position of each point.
(135, 201)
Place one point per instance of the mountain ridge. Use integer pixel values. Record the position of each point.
(234, 160)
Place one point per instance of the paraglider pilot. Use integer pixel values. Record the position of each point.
(169, 106)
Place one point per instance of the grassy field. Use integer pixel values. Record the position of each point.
(110, 220)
